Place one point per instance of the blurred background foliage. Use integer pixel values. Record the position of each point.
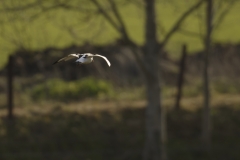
(96, 112)
(76, 90)
(37, 28)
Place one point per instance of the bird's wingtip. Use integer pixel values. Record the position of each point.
(55, 63)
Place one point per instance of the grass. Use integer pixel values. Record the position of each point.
(114, 129)
(61, 28)
(58, 89)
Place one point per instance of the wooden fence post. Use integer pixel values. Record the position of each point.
(181, 77)
(10, 86)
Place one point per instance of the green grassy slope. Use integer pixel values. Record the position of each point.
(114, 130)
(61, 28)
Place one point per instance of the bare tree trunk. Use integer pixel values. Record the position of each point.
(10, 87)
(155, 140)
(155, 128)
(206, 123)
(181, 77)
(155, 145)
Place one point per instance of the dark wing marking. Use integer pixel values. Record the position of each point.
(69, 57)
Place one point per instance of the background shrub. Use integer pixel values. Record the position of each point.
(58, 89)
(223, 87)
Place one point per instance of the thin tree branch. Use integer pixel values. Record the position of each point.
(122, 30)
(43, 8)
(119, 18)
(106, 15)
(47, 9)
(190, 33)
(180, 21)
(60, 5)
(21, 8)
(223, 15)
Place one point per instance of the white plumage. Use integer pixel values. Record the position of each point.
(84, 58)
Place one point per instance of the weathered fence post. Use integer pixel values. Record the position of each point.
(10, 86)
(181, 77)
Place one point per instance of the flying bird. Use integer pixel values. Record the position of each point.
(84, 58)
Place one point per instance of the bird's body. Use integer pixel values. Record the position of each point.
(84, 58)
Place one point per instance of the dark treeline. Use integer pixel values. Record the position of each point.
(224, 60)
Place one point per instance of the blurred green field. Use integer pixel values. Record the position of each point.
(108, 122)
(60, 28)
(114, 128)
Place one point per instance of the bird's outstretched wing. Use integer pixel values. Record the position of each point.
(69, 57)
(109, 64)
